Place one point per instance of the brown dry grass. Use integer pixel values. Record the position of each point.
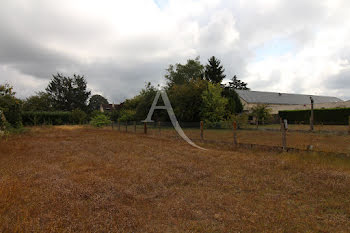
(320, 142)
(98, 180)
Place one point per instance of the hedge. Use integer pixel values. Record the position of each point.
(46, 118)
(334, 116)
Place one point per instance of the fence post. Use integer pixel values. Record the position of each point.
(234, 133)
(284, 134)
(112, 125)
(312, 114)
(159, 127)
(118, 125)
(349, 126)
(145, 127)
(126, 126)
(201, 127)
(134, 126)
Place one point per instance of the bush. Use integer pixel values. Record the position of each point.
(241, 119)
(78, 116)
(127, 115)
(100, 120)
(95, 113)
(335, 116)
(3, 123)
(46, 118)
(11, 108)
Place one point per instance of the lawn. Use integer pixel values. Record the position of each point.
(81, 179)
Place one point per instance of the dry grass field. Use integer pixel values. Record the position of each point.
(320, 142)
(81, 179)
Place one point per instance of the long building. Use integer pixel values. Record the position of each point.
(286, 101)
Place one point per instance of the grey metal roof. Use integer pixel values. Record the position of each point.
(283, 98)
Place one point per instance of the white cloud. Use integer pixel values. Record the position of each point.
(119, 45)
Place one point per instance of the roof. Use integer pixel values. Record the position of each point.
(283, 98)
(112, 106)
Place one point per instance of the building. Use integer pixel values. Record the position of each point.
(284, 101)
(110, 107)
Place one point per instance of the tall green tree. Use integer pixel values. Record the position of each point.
(186, 100)
(237, 84)
(214, 72)
(234, 104)
(39, 102)
(142, 102)
(10, 106)
(96, 101)
(181, 74)
(68, 93)
(214, 104)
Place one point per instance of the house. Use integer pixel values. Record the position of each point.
(285, 101)
(110, 107)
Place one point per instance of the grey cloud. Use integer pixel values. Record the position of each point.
(130, 62)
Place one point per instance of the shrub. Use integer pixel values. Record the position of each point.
(95, 113)
(336, 116)
(3, 122)
(100, 120)
(241, 119)
(43, 118)
(11, 108)
(78, 116)
(127, 115)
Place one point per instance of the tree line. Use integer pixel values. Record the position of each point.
(195, 91)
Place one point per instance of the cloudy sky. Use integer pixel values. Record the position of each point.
(299, 46)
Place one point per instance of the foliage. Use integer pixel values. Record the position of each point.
(186, 100)
(213, 105)
(237, 84)
(95, 113)
(68, 93)
(3, 122)
(10, 106)
(336, 116)
(181, 74)
(100, 120)
(6, 89)
(142, 102)
(214, 72)
(261, 112)
(127, 115)
(39, 102)
(96, 101)
(114, 115)
(78, 116)
(46, 118)
(241, 119)
(234, 105)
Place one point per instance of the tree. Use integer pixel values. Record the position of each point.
(261, 112)
(234, 105)
(100, 120)
(39, 102)
(6, 89)
(214, 105)
(78, 116)
(96, 101)
(181, 74)
(10, 106)
(186, 100)
(68, 93)
(127, 115)
(214, 72)
(237, 84)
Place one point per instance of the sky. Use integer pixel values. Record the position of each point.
(299, 46)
